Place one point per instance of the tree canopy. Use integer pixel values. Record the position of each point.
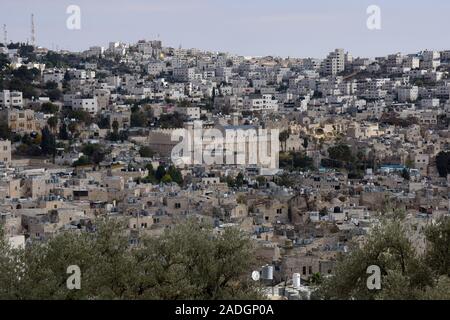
(405, 274)
(189, 261)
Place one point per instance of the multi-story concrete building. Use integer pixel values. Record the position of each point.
(183, 74)
(11, 99)
(264, 102)
(5, 151)
(86, 104)
(21, 121)
(408, 93)
(334, 63)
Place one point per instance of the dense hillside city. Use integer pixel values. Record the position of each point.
(173, 173)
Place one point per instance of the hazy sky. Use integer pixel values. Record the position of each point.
(293, 28)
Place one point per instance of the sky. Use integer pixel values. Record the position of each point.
(294, 28)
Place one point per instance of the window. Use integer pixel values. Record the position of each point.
(310, 270)
(304, 270)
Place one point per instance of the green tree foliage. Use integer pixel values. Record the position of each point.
(54, 59)
(48, 142)
(54, 94)
(63, 133)
(239, 181)
(150, 178)
(140, 116)
(305, 142)
(30, 146)
(284, 135)
(5, 132)
(115, 135)
(48, 107)
(82, 161)
(186, 262)
(296, 160)
(52, 123)
(438, 253)
(160, 172)
(25, 74)
(393, 118)
(146, 152)
(175, 175)
(138, 119)
(443, 163)
(166, 179)
(184, 104)
(94, 152)
(80, 115)
(341, 152)
(405, 273)
(261, 181)
(405, 174)
(175, 120)
(21, 79)
(4, 61)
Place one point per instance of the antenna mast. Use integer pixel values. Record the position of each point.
(33, 31)
(5, 35)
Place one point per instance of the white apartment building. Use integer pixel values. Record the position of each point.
(265, 102)
(407, 93)
(430, 103)
(83, 74)
(117, 48)
(155, 68)
(430, 64)
(86, 104)
(445, 55)
(443, 91)
(394, 60)
(411, 62)
(334, 63)
(311, 64)
(183, 74)
(193, 113)
(429, 55)
(56, 76)
(224, 73)
(10, 99)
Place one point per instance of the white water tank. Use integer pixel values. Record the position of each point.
(267, 273)
(296, 280)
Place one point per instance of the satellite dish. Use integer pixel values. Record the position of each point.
(255, 275)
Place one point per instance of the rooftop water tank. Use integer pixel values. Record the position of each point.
(267, 273)
(296, 280)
